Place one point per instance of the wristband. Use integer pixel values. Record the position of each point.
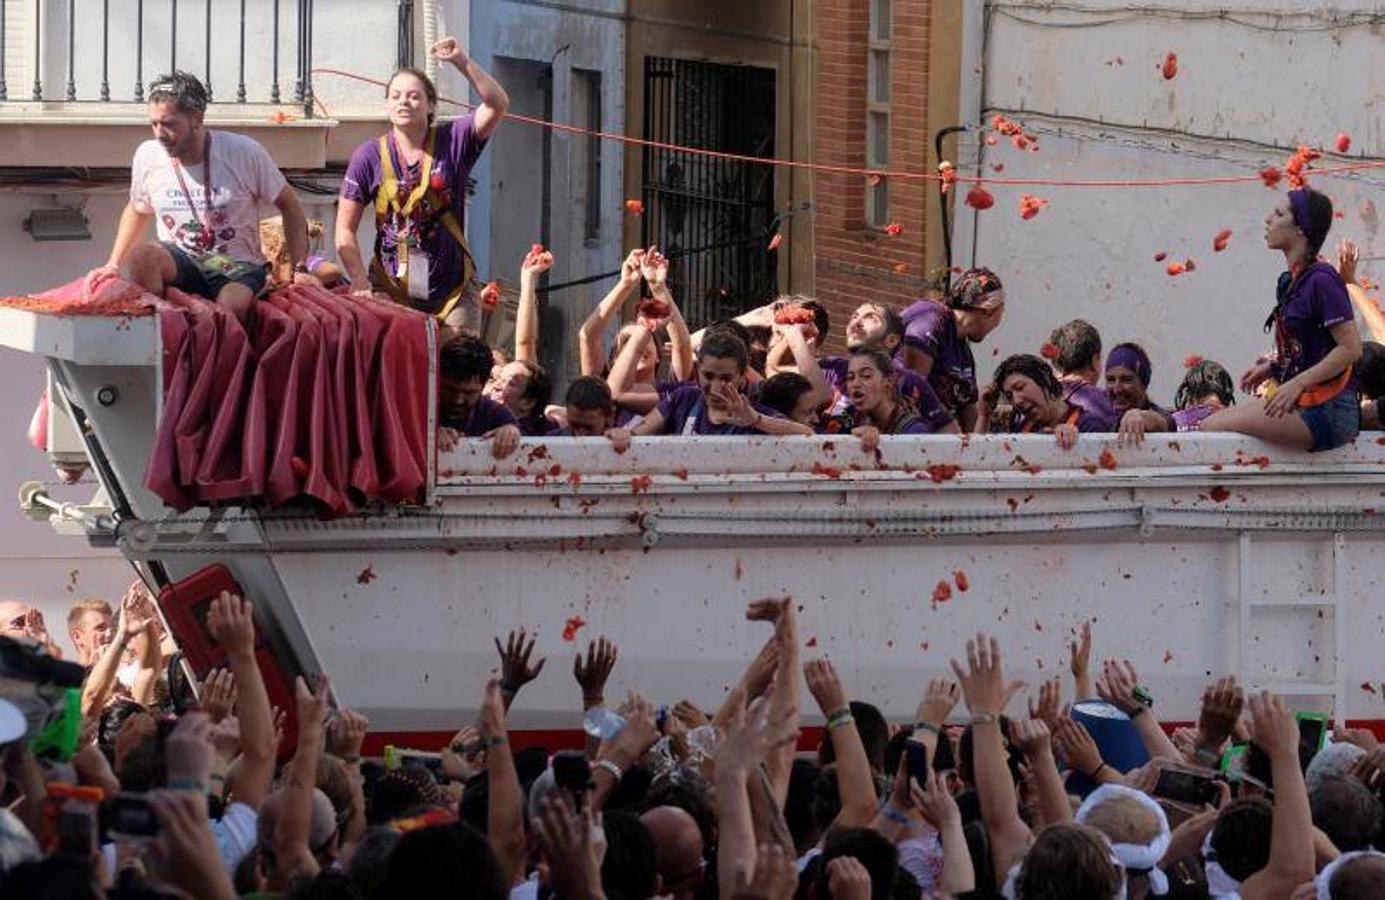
(187, 784)
(1097, 771)
(894, 815)
(839, 718)
(928, 727)
(984, 718)
(494, 740)
(351, 759)
(609, 766)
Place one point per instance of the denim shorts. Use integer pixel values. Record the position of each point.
(1335, 422)
(206, 278)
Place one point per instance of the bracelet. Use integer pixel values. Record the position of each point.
(494, 740)
(839, 718)
(1139, 711)
(351, 759)
(507, 688)
(187, 784)
(1097, 771)
(894, 815)
(984, 718)
(928, 727)
(610, 767)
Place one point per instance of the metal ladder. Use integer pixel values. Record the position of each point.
(1331, 600)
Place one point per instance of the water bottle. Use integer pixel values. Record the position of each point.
(602, 724)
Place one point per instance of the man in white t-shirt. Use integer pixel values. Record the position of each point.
(204, 189)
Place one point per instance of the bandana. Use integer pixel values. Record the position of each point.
(1138, 859)
(1132, 358)
(1298, 205)
(1324, 880)
(1219, 884)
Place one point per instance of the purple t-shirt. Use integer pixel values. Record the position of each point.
(685, 412)
(537, 426)
(1318, 301)
(1087, 423)
(906, 421)
(912, 386)
(485, 416)
(1092, 400)
(625, 418)
(455, 151)
(931, 328)
(1190, 419)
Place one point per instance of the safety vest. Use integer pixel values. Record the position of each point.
(389, 204)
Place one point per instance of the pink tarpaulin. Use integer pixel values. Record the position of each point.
(324, 397)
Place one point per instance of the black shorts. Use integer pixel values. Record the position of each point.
(207, 277)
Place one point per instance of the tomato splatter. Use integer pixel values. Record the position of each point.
(1107, 459)
(873, 180)
(574, 478)
(941, 472)
(571, 627)
(998, 168)
(1189, 265)
(1221, 240)
(652, 309)
(1160, 256)
(634, 207)
(1270, 175)
(941, 593)
(893, 229)
(640, 483)
(680, 474)
(961, 580)
(1030, 206)
(1342, 142)
(1191, 360)
(367, 575)
(826, 471)
(738, 571)
(1219, 494)
(299, 466)
(1368, 687)
(1170, 66)
(980, 198)
(490, 294)
(1168, 657)
(775, 241)
(1049, 351)
(811, 642)
(1297, 165)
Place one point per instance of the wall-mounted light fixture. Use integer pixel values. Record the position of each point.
(57, 225)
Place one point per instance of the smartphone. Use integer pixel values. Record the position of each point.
(127, 817)
(916, 754)
(1312, 735)
(1184, 784)
(572, 772)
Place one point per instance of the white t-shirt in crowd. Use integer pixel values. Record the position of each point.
(244, 177)
(235, 833)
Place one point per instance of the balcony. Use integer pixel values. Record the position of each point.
(74, 73)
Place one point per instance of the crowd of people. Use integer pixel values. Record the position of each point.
(172, 787)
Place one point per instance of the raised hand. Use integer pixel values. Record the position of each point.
(232, 623)
(630, 268)
(1046, 710)
(1347, 255)
(936, 804)
(1117, 686)
(462, 759)
(515, 670)
(1222, 703)
(939, 698)
(1075, 743)
(565, 836)
(346, 733)
(847, 879)
(825, 686)
(983, 681)
(654, 268)
(449, 50)
(1032, 737)
(1272, 725)
(219, 694)
(1081, 660)
(536, 262)
(593, 672)
(751, 735)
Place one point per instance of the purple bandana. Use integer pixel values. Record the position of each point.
(1132, 358)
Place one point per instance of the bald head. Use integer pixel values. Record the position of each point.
(678, 842)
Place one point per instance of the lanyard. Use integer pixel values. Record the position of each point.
(425, 173)
(208, 231)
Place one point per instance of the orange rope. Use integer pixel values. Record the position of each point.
(881, 173)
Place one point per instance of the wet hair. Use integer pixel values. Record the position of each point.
(1206, 377)
(757, 345)
(1371, 369)
(1347, 811)
(874, 732)
(430, 90)
(868, 847)
(1241, 837)
(1361, 878)
(465, 358)
(1031, 367)
(445, 861)
(781, 392)
(798, 805)
(630, 868)
(723, 344)
(538, 386)
(1078, 342)
(181, 88)
(687, 789)
(971, 287)
(821, 321)
(732, 326)
(1319, 220)
(589, 392)
(1069, 862)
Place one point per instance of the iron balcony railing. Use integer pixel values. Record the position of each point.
(76, 49)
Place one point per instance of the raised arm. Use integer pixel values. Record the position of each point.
(515, 669)
(505, 799)
(1222, 702)
(232, 625)
(805, 361)
(592, 675)
(589, 345)
(293, 855)
(100, 682)
(536, 262)
(784, 701)
(654, 268)
(1274, 730)
(494, 101)
(939, 698)
(1035, 742)
(854, 780)
(1117, 686)
(985, 693)
(621, 380)
(1080, 663)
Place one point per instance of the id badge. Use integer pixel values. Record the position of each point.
(416, 271)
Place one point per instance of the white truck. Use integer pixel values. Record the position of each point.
(1193, 555)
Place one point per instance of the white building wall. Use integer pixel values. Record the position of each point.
(1085, 78)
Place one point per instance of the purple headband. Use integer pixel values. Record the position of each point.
(1132, 358)
(1298, 205)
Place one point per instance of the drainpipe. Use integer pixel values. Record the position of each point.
(970, 97)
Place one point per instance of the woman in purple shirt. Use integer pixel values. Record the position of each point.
(1038, 402)
(414, 177)
(876, 407)
(1312, 401)
(938, 339)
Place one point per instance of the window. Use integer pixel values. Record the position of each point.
(586, 169)
(878, 49)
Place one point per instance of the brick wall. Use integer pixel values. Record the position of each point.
(855, 263)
